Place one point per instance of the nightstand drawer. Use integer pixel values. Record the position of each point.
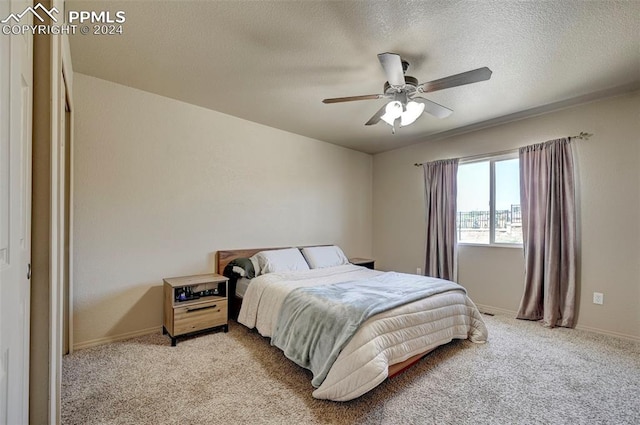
(195, 317)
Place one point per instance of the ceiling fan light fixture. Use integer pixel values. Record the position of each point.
(411, 114)
(393, 111)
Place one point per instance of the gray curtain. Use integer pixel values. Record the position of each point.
(547, 196)
(440, 178)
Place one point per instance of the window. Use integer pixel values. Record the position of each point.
(489, 201)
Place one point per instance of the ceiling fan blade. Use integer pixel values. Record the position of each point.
(433, 108)
(351, 98)
(392, 65)
(480, 74)
(376, 117)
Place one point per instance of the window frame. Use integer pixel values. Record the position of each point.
(492, 159)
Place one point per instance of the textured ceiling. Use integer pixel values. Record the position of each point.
(272, 62)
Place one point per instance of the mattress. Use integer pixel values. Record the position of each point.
(241, 286)
(382, 340)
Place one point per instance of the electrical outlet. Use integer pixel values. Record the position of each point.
(598, 298)
(419, 271)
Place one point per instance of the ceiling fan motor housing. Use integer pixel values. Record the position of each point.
(410, 86)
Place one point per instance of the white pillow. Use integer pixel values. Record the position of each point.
(281, 260)
(324, 256)
(256, 264)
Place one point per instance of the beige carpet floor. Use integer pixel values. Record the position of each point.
(525, 374)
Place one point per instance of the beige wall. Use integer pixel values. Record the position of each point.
(161, 185)
(609, 210)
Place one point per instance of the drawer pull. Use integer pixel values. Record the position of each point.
(190, 310)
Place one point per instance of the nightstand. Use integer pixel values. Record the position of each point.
(364, 262)
(195, 304)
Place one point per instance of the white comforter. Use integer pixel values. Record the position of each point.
(385, 339)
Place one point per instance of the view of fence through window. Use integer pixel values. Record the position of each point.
(474, 212)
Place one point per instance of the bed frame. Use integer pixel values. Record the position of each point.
(225, 257)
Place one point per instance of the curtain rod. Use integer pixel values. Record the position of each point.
(583, 135)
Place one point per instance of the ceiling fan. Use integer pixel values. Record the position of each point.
(405, 107)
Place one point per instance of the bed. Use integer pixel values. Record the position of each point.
(351, 354)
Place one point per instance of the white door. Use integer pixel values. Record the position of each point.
(16, 60)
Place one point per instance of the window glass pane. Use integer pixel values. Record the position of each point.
(473, 203)
(508, 219)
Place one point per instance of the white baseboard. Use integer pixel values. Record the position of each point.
(493, 310)
(609, 333)
(114, 338)
(482, 307)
